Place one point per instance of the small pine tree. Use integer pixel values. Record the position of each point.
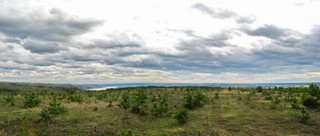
(9, 99)
(31, 100)
(125, 101)
(275, 102)
(55, 108)
(182, 116)
(304, 116)
(295, 105)
(259, 89)
(161, 108)
(216, 96)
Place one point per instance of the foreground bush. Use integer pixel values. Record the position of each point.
(9, 99)
(182, 116)
(304, 116)
(310, 102)
(125, 101)
(31, 100)
(53, 110)
(75, 98)
(139, 104)
(195, 99)
(161, 108)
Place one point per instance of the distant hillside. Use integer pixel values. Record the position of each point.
(11, 86)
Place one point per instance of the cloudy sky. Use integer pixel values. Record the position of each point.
(181, 41)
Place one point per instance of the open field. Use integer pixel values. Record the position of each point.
(154, 111)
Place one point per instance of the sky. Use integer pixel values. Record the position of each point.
(167, 41)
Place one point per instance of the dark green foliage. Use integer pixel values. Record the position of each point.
(95, 108)
(295, 105)
(304, 116)
(9, 99)
(125, 101)
(268, 97)
(182, 116)
(314, 90)
(154, 98)
(229, 88)
(195, 99)
(101, 96)
(239, 98)
(216, 96)
(259, 89)
(139, 103)
(46, 115)
(129, 133)
(135, 108)
(275, 102)
(55, 108)
(160, 108)
(75, 98)
(31, 100)
(310, 102)
(110, 103)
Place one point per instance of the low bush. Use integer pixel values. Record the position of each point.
(9, 99)
(182, 116)
(310, 102)
(161, 108)
(195, 99)
(125, 101)
(31, 100)
(304, 116)
(55, 108)
(75, 98)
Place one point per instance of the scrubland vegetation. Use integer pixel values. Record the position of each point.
(44, 109)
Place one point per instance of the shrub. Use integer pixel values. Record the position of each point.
(75, 98)
(95, 108)
(154, 98)
(182, 116)
(259, 89)
(216, 96)
(268, 97)
(161, 108)
(139, 103)
(129, 133)
(46, 115)
(314, 90)
(195, 99)
(31, 100)
(274, 103)
(125, 101)
(295, 105)
(304, 116)
(55, 108)
(9, 99)
(110, 102)
(310, 102)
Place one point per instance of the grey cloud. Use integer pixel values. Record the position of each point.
(43, 47)
(248, 19)
(287, 51)
(270, 31)
(224, 14)
(103, 44)
(12, 65)
(290, 53)
(214, 40)
(221, 14)
(56, 27)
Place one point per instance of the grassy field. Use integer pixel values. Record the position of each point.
(153, 111)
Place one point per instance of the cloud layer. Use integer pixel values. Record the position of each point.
(220, 45)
